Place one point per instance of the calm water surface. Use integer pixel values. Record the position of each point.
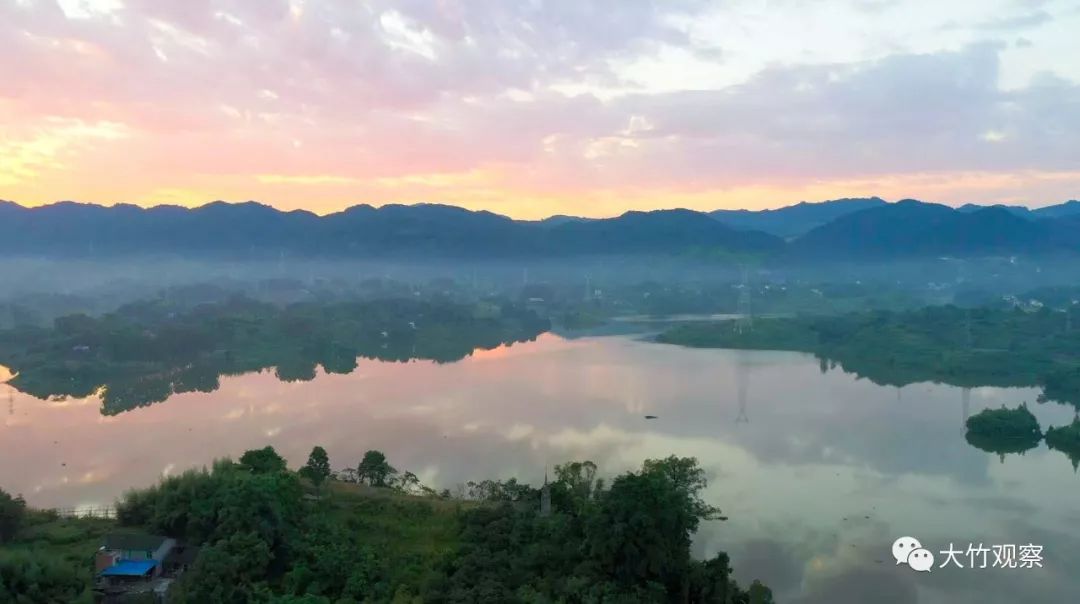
(819, 472)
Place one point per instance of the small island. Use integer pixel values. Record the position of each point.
(1004, 423)
(1004, 431)
(1067, 440)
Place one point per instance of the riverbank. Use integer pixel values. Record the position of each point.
(944, 344)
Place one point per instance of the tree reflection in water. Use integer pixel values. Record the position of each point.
(146, 352)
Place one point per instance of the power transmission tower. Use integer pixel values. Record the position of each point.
(967, 328)
(742, 383)
(745, 321)
(545, 497)
(965, 404)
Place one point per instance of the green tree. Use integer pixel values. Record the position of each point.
(317, 468)
(710, 581)
(231, 570)
(408, 482)
(374, 469)
(28, 577)
(689, 479)
(652, 541)
(263, 461)
(759, 594)
(12, 510)
(575, 485)
(640, 533)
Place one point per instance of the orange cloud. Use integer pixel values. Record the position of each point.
(311, 105)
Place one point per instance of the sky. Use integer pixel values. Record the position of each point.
(532, 108)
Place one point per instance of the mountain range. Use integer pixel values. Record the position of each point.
(843, 228)
(792, 221)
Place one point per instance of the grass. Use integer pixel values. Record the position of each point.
(400, 525)
(72, 541)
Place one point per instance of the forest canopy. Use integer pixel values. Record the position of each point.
(268, 534)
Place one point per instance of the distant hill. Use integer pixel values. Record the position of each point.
(843, 228)
(656, 231)
(425, 231)
(1021, 211)
(792, 221)
(911, 227)
(562, 218)
(1061, 210)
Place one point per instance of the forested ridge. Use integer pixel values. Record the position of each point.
(375, 534)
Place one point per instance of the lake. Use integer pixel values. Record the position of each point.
(818, 471)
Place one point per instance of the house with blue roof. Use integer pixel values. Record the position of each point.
(131, 569)
(131, 562)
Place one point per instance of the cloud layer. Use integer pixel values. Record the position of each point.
(540, 107)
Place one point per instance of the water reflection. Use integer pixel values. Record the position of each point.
(1001, 446)
(130, 365)
(742, 384)
(829, 472)
(965, 406)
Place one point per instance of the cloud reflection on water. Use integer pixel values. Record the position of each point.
(818, 472)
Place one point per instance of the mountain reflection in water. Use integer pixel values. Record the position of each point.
(818, 472)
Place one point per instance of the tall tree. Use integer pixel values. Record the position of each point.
(12, 510)
(374, 469)
(317, 469)
(263, 461)
(657, 510)
(576, 485)
(686, 476)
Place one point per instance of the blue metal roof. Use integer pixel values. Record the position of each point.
(130, 568)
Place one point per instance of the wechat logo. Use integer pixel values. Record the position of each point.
(908, 550)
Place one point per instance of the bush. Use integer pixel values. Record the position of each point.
(12, 512)
(31, 578)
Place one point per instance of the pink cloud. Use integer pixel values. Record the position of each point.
(210, 94)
